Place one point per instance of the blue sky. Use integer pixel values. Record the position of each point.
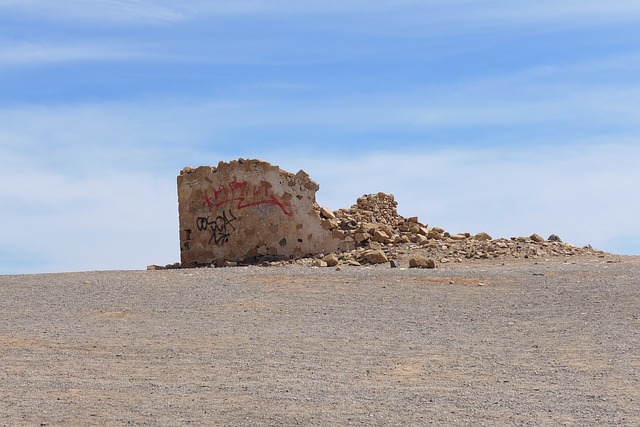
(498, 116)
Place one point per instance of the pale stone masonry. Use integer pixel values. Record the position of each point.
(247, 210)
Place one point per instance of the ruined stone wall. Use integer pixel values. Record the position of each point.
(245, 210)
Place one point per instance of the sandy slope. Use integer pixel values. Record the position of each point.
(471, 344)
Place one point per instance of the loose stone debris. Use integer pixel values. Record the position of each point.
(381, 235)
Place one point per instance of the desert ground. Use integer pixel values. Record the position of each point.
(477, 343)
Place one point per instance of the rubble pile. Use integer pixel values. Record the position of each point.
(378, 208)
(374, 218)
(381, 235)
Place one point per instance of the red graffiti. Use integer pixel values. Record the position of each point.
(246, 195)
(207, 201)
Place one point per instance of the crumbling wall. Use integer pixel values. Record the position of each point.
(247, 210)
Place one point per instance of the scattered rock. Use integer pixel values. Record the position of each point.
(381, 237)
(375, 246)
(325, 213)
(329, 224)
(482, 236)
(422, 262)
(394, 263)
(375, 257)
(435, 233)
(338, 234)
(554, 238)
(331, 260)
(536, 238)
(420, 239)
(362, 237)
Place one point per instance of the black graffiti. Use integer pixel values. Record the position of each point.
(219, 227)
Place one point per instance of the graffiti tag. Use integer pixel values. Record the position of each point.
(219, 227)
(243, 195)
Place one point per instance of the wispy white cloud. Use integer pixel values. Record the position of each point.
(45, 53)
(434, 22)
(115, 11)
(453, 14)
(419, 18)
(38, 53)
(538, 98)
(483, 10)
(563, 10)
(582, 106)
(587, 93)
(144, 126)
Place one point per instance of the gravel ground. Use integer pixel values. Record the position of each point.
(473, 344)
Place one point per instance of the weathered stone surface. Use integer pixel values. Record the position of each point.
(362, 237)
(536, 238)
(164, 267)
(381, 237)
(329, 224)
(326, 213)
(435, 233)
(403, 239)
(554, 238)
(338, 234)
(244, 209)
(332, 260)
(422, 262)
(423, 230)
(375, 257)
(420, 239)
(482, 236)
(376, 246)
(320, 263)
(377, 208)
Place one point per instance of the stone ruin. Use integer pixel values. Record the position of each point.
(249, 211)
